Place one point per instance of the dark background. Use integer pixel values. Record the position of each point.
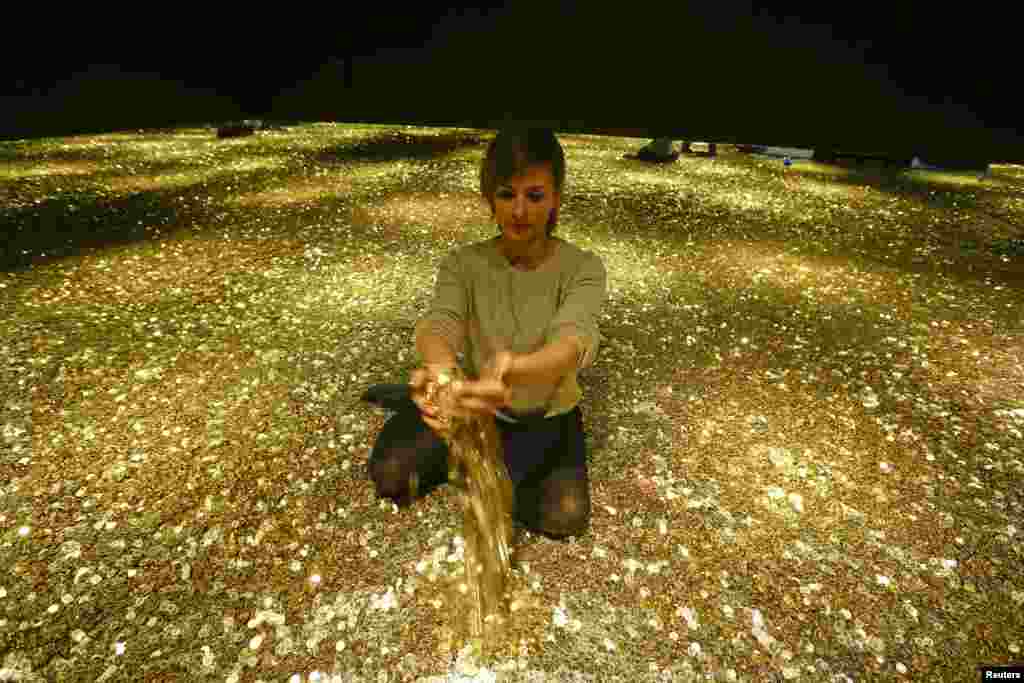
(873, 79)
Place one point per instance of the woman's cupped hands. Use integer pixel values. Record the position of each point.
(481, 396)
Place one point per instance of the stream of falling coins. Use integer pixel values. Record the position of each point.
(479, 600)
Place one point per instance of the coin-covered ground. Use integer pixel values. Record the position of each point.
(805, 424)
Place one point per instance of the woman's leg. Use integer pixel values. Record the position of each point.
(557, 504)
(549, 470)
(548, 467)
(408, 459)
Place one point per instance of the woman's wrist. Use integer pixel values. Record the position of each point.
(505, 367)
(440, 366)
(513, 375)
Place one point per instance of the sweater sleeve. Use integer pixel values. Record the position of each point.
(448, 312)
(580, 308)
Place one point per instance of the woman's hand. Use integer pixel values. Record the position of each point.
(429, 411)
(500, 367)
(485, 395)
(491, 391)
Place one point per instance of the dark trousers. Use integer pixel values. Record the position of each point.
(547, 463)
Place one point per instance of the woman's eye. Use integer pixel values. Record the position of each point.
(533, 197)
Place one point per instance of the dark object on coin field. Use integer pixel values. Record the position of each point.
(236, 130)
(645, 155)
(1009, 247)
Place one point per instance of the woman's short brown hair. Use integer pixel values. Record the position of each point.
(512, 151)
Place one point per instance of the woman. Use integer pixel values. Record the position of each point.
(522, 308)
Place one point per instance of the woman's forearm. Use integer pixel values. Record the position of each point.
(434, 349)
(546, 366)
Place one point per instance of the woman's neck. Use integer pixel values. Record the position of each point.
(526, 256)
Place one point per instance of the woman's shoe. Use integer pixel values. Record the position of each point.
(394, 397)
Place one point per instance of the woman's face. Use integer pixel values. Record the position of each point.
(524, 203)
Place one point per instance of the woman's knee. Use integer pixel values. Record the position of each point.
(567, 513)
(408, 460)
(573, 516)
(389, 474)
